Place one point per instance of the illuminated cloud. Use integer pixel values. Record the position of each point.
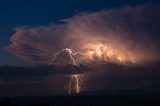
(126, 35)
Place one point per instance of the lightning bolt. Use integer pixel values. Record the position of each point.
(70, 52)
(75, 79)
(76, 83)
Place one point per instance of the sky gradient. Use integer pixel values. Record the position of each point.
(32, 13)
(120, 37)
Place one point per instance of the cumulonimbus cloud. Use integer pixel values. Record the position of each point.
(126, 35)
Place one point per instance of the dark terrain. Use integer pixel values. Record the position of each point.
(111, 97)
(97, 98)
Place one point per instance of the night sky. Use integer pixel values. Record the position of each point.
(120, 40)
(40, 13)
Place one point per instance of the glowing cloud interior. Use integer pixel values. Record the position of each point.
(127, 35)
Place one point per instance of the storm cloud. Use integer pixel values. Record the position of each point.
(52, 82)
(124, 35)
(121, 36)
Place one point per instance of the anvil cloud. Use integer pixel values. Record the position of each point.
(125, 35)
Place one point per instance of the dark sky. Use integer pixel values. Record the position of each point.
(44, 12)
(15, 13)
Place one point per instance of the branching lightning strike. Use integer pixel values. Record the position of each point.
(70, 52)
(75, 79)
